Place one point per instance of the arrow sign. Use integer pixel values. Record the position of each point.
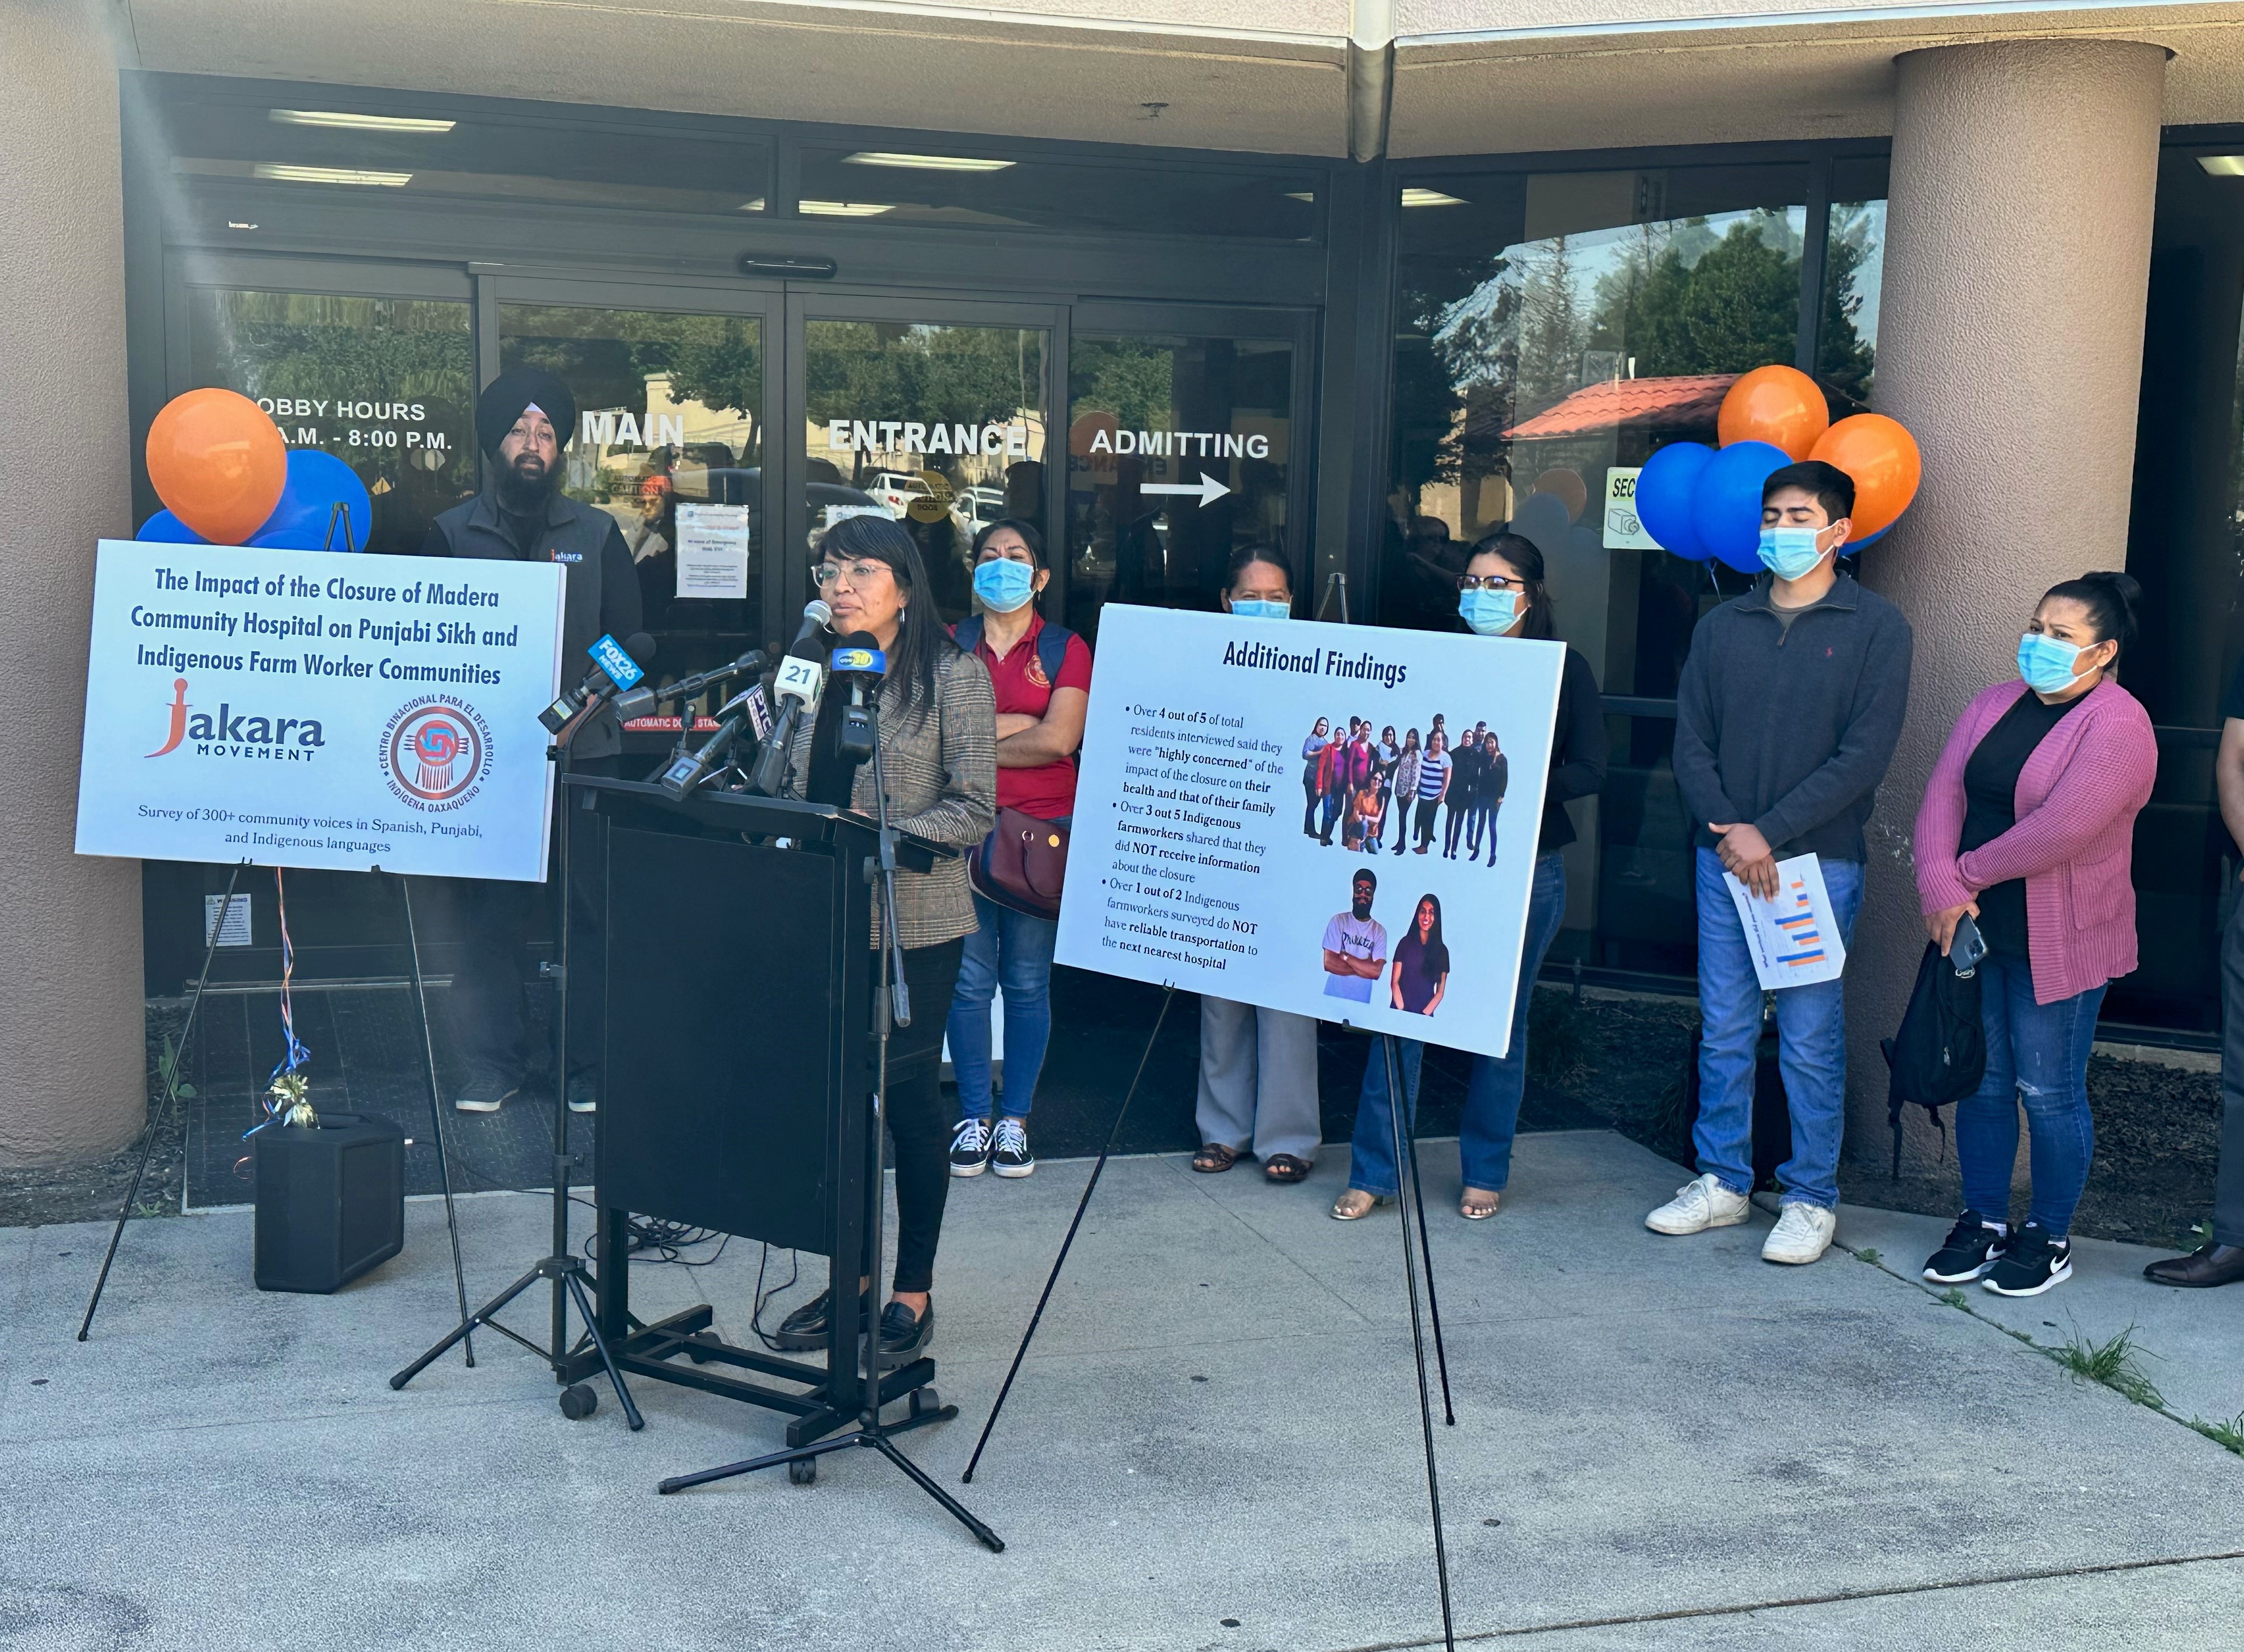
(1207, 487)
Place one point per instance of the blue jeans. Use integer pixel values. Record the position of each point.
(1811, 1046)
(1491, 1115)
(1013, 951)
(2037, 1051)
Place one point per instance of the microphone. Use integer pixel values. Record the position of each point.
(640, 701)
(744, 711)
(860, 659)
(797, 686)
(616, 666)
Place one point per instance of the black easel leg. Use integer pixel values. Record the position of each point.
(582, 1299)
(436, 1114)
(466, 1324)
(958, 1511)
(1168, 995)
(1409, 1139)
(1418, 1348)
(171, 1094)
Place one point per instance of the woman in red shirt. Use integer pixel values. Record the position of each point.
(1042, 674)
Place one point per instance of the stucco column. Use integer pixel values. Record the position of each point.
(2009, 343)
(71, 1061)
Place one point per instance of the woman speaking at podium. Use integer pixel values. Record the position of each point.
(938, 745)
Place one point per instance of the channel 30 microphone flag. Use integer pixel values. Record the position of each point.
(290, 708)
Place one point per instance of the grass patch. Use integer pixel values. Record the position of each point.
(2230, 1433)
(1954, 1298)
(2117, 1363)
(1869, 1254)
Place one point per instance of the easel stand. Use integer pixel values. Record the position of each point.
(892, 1008)
(172, 1090)
(561, 1266)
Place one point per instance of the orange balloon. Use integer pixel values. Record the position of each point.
(1778, 405)
(217, 460)
(1570, 490)
(1882, 459)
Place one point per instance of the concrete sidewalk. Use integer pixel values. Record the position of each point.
(1664, 1442)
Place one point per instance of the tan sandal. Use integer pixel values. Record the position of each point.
(1472, 1210)
(1354, 1205)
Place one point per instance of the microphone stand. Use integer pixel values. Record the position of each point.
(891, 1008)
(561, 1265)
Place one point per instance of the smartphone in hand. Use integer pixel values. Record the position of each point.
(1969, 947)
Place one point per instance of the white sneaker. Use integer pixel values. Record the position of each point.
(1699, 1204)
(1803, 1232)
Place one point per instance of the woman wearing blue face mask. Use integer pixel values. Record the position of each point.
(2028, 828)
(1042, 675)
(1258, 1067)
(1500, 595)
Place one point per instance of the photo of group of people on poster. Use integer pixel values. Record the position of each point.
(1374, 789)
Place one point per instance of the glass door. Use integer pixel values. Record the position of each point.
(675, 399)
(932, 413)
(1184, 424)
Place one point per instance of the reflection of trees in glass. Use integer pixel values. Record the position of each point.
(606, 356)
(946, 374)
(1702, 305)
(1844, 359)
(1132, 378)
(321, 348)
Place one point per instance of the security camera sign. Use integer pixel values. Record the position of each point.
(291, 708)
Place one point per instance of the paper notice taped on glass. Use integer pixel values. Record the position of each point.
(1794, 939)
(235, 930)
(712, 551)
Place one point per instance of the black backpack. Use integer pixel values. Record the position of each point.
(1940, 1054)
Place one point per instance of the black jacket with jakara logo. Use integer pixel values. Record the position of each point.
(602, 589)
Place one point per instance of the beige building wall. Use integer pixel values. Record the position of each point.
(72, 1063)
(2017, 269)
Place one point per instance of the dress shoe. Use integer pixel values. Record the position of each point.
(806, 1328)
(903, 1334)
(2207, 1265)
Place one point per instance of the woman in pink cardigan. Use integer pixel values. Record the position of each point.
(2028, 825)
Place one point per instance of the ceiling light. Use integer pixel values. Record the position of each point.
(329, 175)
(843, 208)
(755, 206)
(2223, 166)
(1305, 194)
(358, 123)
(924, 163)
(1429, 198)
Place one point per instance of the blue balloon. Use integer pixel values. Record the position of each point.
(1853, 546)
(1664, 489)
(1726, 512)
(317, 483)
(164, 528)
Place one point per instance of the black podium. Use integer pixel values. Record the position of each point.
(734, 1033)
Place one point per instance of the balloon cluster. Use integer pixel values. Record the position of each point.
(1702, 502)
(226, 478)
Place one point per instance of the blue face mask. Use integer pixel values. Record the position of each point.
(1255, 608)
(1790, 553)
(2047, 665)
(1002, 584)
(1490, 613)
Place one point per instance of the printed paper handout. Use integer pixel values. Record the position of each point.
(1794, 939)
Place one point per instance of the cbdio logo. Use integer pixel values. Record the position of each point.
(237, 734)
(435, 754)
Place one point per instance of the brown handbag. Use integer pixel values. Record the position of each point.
(1022, 864)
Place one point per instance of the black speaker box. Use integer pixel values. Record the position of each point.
(330, 1200)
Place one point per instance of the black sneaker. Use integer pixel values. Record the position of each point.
(970, 1147)
(2030, 1264)
(1009, 1157)
(486, 1091)
(808, 1325)
(1971, 1248)
(903, 1335)
(584, 1094)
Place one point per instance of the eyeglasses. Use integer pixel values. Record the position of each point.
(859, 574)
(1490, 582)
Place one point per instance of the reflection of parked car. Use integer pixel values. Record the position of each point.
(896, 489)
(825, 503)
(978, 507)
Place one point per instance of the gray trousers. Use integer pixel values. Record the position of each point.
(1258, 1080)
(2229, 1183)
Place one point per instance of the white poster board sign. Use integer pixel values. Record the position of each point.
(295, 709)
(1192, 860)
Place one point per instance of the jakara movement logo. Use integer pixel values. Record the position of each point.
(435, 753)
